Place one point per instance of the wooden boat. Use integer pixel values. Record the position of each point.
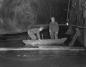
(44, 42)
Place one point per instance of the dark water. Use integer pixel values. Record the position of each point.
(38, 58)
(43, 59)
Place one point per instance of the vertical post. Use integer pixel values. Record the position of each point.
(84, 16)
(85, 31)
(85, 35)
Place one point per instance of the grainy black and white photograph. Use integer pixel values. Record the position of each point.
(42, 33)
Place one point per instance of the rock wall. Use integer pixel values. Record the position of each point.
(18, 15)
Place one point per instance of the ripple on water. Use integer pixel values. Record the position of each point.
(38, 55)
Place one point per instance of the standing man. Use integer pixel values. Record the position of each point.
(53, 28)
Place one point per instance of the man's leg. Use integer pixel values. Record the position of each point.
(31, 35)
(56, 35)
(38, 35)
(52, 35)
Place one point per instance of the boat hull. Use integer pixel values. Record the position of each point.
(44, 42)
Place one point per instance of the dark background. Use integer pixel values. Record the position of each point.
(17, 16)
(38, 12)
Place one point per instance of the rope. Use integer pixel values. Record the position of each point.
(78, 26)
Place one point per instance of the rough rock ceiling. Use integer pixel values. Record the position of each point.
(18, 15)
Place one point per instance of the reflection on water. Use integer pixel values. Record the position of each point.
(43, 58)
(18, 55)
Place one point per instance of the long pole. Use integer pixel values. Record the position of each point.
(68, 11)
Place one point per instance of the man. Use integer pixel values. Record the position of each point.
(31, 35)
(53, 28)
(35, 33)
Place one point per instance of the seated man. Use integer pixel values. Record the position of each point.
(35, 33)
(53, 28)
